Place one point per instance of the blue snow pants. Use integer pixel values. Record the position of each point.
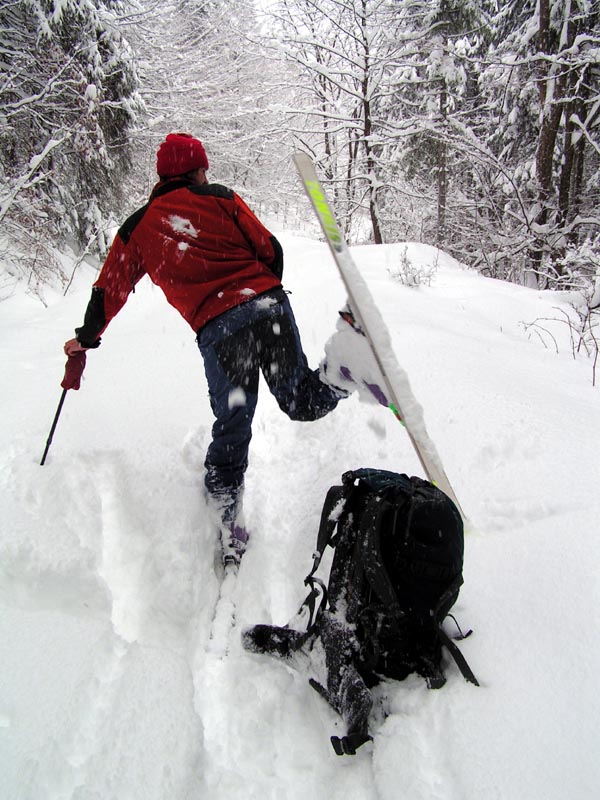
(259, 335)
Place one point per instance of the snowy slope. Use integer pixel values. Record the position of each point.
(110, 687)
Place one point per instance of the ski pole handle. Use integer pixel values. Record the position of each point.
(74, 370)
(71, 380)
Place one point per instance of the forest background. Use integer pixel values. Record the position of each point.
(472, 125)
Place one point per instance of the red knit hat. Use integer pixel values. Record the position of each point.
(178, 154)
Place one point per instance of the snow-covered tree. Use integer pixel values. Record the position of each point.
(203, 71)
(504, 104)
(67, 100)
(342, 54)
(542, 87)
(436, 109)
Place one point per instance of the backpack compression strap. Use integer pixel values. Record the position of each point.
(448, 642)
(459, 659)
(370, 552)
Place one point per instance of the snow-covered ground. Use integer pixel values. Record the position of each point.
(110, 688)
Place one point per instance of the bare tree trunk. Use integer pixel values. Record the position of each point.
(442, 175)
(545, 147)
(368, 130)
(371, 165)
(571, 175)
(372, 178)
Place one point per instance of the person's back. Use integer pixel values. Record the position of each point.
(200, 243)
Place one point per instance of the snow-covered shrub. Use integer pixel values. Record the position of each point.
(578, 274)
(410, 274)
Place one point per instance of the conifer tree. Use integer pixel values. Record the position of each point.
(68, 99)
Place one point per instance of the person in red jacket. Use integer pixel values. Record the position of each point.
(221, 269)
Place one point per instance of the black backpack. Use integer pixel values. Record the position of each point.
(396, 573)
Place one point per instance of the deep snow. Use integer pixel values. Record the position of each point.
(110, 686)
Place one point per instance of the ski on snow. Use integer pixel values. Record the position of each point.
(400, 398)
(223, 621)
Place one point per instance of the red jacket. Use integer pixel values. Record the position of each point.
(201, 244)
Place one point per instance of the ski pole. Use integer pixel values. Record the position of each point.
(54, 424)
(72, 379)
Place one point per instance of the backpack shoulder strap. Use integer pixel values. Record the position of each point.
(317, 597)
(332, 508)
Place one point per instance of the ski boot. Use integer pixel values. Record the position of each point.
(349, 364)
